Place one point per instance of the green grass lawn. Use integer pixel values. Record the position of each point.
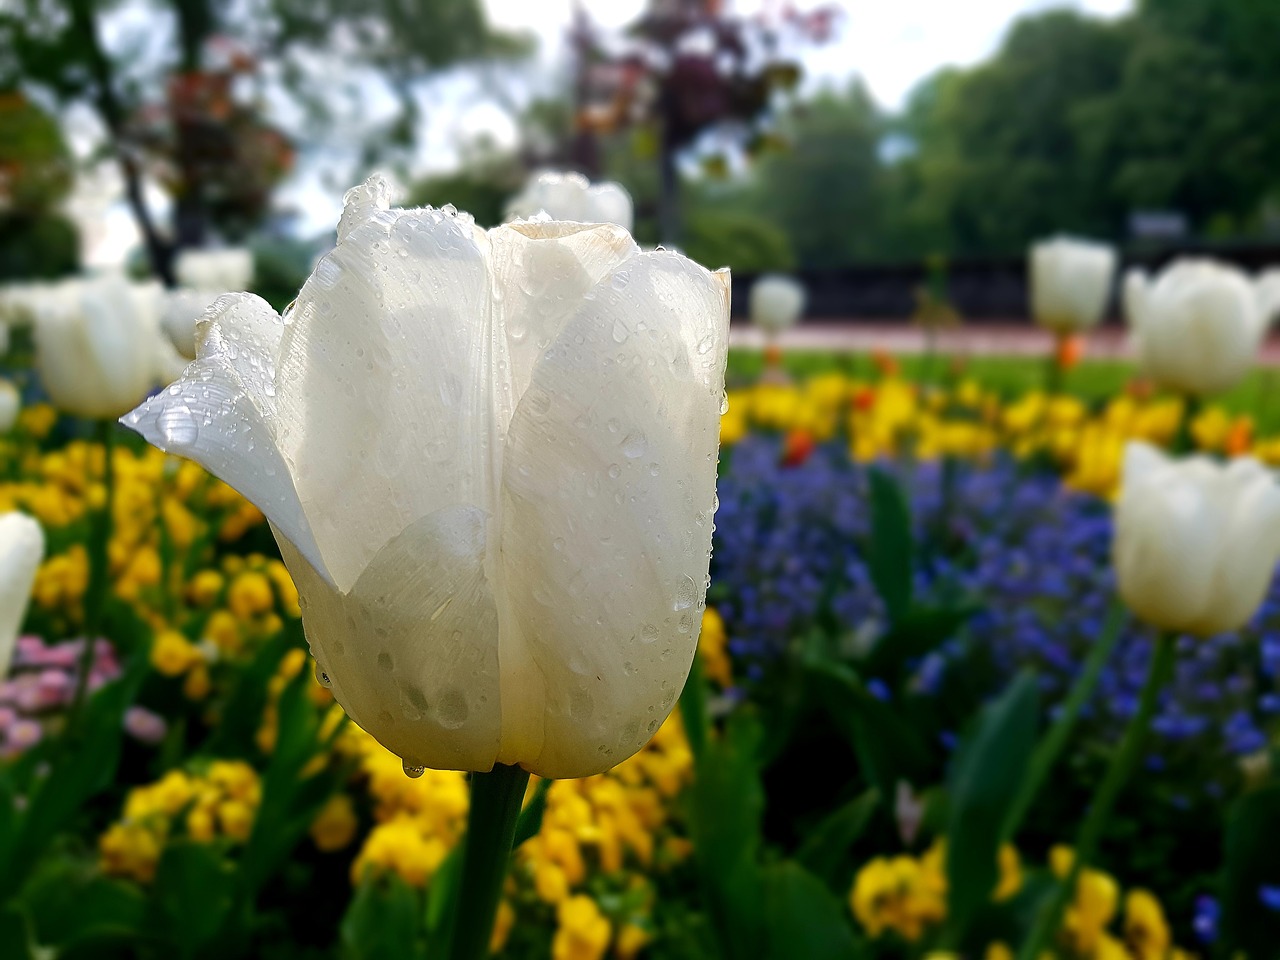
(1093, 380)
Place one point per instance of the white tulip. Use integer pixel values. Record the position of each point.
(181, 311)
(489, 460)
(221, 270)
(570, 196)
(776, 303)
(1196, 542)
(1197, 328)
(96, 345)
(21, 550)
(1268, 288)
(1070, 283)
(10, 405)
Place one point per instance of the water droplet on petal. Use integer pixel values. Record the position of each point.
(322, 677)
(413, 770)
(634, 445)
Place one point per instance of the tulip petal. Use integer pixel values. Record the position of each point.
(606, 524)
(412, 650)
(530, 259)
(21, 549)
(1251, 546)
(220, 414)
(385, 398)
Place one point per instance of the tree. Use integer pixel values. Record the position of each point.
(57, 46)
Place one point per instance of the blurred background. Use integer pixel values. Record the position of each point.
(851, 137)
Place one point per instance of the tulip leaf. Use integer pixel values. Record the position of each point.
(382, 921)
(803, 918)
(1249, 927)
(916, 633)
(192, 895)
(71, 904)
(241, 717)
(530, 821)
(826, 849)
(888, 749)
(290, 800)
(890, 551)
(726, 811)
(82, 764)
(984, 784)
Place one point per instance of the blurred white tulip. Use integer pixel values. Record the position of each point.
(776, 302)
(570, 196)
(21, 550)
(489, 460)
(1070, 283)
(181, 311)
(1196, 542)
(10, 405)
(227, 269)
(1268, 287)
(1197, 327)
(96, 344)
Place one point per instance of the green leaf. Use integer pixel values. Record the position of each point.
(382, 921)
(826, 848)
(1248, 928)
(530, 821)
(726, 811)
(290, 801)
(82, 766)
(888, 749)
(803, 918)
(70, 903)
(237, 729)
(890, 552)
(985, 781)
(192, 895)
(917, 632)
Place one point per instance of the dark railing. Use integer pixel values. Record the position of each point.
(980, 288)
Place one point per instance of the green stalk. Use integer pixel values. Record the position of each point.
(496, 797)
(1053, 372)
(1050, 748)
(1185, 441)
(1095, 822)
(95, 600)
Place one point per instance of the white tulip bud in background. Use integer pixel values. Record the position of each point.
(489, 460)
(1196, 542)
(570, 196)
(96, 345)
(181, 311)
(1070, 283)
(10, 405)
(21, 550)
(776, 303)
(1268, 288)
(1197, 327)
(221, 270)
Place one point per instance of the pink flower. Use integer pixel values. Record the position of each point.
(144, 725)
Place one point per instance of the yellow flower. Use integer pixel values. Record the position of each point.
(129, 850)
(224, 630)
(1145, 928)
(235, 818)
(713, 647)
(172, 654)
(196, 686)
(335, 824)
(896, 894)
(1096, 899)
(205, 588)
(250, 595)
(502, 925)
(631, 940)
(400, 846)
(582, 933)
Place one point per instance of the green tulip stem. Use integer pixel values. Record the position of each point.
(95, 600)
(496, 798)
(1185, 441)
(1051, 746)
(1054, 375)
(1122, 764)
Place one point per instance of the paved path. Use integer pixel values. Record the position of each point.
(998, 339)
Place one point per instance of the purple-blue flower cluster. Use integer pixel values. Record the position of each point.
(1034, 555)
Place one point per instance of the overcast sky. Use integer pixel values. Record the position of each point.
(893, 44)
